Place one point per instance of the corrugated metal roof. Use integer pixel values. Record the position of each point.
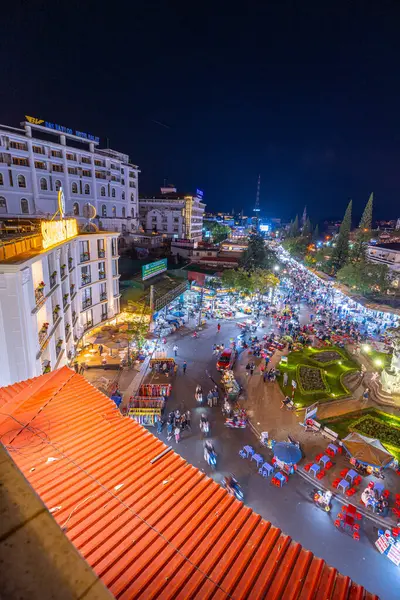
(161, 530)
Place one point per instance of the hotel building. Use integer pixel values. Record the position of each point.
(175, 216)
(52, 291)
(36, 160)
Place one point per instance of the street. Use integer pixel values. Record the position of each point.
(290, 508)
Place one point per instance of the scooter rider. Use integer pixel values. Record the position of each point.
(208, 451)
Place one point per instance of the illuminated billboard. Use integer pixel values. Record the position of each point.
(154, 268)
(264, 227)
(55, 232)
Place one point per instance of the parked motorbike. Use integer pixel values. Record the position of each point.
(322, 499)
(235, 423)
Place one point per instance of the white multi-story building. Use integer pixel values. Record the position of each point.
(176, 216)
(387, 254)
(51, 295)
(37, 160)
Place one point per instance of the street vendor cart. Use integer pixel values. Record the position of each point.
(231, 386)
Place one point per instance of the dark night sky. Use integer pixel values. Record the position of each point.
(307, 93)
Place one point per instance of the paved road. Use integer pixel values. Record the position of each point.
(290, 508)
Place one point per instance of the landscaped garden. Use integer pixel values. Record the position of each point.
(318, 374)
(371, 422)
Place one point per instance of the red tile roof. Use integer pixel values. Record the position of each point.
(149, 530)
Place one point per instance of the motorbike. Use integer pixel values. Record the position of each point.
(205, 427)
(235, 423)
(211, 458)
(235, 490)
(322, 499)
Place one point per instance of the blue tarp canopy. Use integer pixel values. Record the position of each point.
(287, 452)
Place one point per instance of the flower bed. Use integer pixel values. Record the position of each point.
(311, 379)
(375, 427)
(326, 357)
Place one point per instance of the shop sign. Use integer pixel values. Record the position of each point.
(62, 129)
(153, 269)
(55, 232)
(311, 411)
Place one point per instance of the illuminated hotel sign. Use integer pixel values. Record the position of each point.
(55, 232)
(61, 202)
(62, 129)
(154, 268)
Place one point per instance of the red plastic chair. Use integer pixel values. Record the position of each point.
(356, 536)
(321, 475)
(395, 532)
(308, 467)
(357, 480)
(386, 494)
(371, 485)
(350, 492)
(339, 516)
(318, 457)
(336, 483)
(329, 465)
(396, 511)
(356, 527)
(340, 449)
(358, 516)
(344, 507)
(397, 497)
(344, 473)
(337, 523)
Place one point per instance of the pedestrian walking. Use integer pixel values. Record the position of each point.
(170, 428)
(188, 420)
(265, 376)
(184, 366)
(159, 426)
(82, 368)
(252, 366)
(209, 399)
(175, 349)
(177, 434)
(76, 367)
(101, 349)
(285, 379)
(214, 348)
(218, 328)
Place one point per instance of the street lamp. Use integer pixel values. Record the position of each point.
(276, 268)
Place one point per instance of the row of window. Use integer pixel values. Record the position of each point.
(21, 180)
(4, 209)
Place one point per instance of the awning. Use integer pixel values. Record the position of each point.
(367, 450)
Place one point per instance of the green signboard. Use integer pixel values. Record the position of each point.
(154, 268)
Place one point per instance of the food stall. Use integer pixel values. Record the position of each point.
(231, 386)
(286, 456)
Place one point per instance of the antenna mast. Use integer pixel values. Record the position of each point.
(256, 208)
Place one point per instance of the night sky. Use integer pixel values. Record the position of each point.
(208, 95)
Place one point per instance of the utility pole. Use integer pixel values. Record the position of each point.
(152, 308)
(201, 305)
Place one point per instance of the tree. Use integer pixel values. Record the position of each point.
(366, 219)
(365, 277)
(307, 229)
(261, 280)
(218, 231)
(296, 227)
(257, 255)
(315, 236)
(363, 233)
(340, 253)
(296, 246)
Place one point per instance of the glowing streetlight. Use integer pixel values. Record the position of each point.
(366, 348)
(378, 362)
(276, 268)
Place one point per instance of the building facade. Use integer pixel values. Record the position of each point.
(36, 161)
(50, 297)
(387, 254)
(173, 215)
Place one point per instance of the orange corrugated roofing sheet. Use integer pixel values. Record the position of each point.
(161, 530)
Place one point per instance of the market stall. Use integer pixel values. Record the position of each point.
(231, 386)
(388, 543)
(163, 365)
(366, 453)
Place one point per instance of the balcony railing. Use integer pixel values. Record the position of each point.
(53, 280)
(56, 314)
(85, 256)
(72, 289)
(86, 280)
(70, 263)
(102, 274)
(102, 253)
(87, 325)
(86, 303)
(67, 330)
(104, 316)
(43, 333)
(103, 296)
(39, 295)
(63, 270)
(65, 300)
(59, 346)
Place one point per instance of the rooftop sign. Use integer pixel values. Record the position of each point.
(55, 232)
(62, 129)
